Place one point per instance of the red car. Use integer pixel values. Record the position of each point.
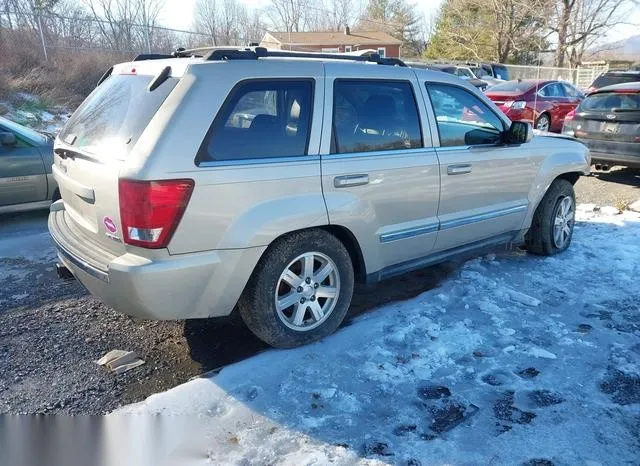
(543, 103)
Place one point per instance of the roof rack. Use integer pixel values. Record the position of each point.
(254, 53)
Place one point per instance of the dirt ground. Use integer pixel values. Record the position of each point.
(51, 331)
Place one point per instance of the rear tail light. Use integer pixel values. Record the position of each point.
(151, 210)
(570, 116)
(517, 105)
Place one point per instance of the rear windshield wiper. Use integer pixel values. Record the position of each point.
(159, 79)
(66, 153)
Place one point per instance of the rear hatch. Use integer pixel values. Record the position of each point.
(609, 116)
(93, 147)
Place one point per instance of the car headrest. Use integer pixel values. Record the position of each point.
(294, 114)
(378, 107)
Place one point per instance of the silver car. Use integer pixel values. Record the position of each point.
(269, 182)
(26, 156)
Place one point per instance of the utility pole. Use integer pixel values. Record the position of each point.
(44, 46)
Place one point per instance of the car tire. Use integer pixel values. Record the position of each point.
(543, 122)
(553, 221)
(279, 303)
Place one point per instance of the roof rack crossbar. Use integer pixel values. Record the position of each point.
(151, 56)
(254, 53)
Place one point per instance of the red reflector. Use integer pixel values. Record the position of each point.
(151, 210)
(570, 115)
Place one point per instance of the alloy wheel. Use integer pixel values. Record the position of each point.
(563, 222)
(543, 123)
(307, 291)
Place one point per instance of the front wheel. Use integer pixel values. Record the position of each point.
(552, 225)
(300, 291)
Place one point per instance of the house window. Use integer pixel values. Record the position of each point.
(347, 48)
(382, 51)
(331, 50)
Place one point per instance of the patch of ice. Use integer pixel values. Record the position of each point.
(609, 210)
(522, 298)
(540, 353)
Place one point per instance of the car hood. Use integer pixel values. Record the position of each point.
(544, 134)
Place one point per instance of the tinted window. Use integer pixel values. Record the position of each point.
(513, 86)
(374, 115)
(112, 118)
(552, 90)
(462, 118)
(608, 79)
(464, 73)
(608, 101)
(501, 72)
(261, 119)
(572, 91)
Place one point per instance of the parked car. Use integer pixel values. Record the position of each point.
(542, 103)
(613, 77)
(26, 182)
(485, 73)
(173, 208)
(460, 72)
(494, 70)
(608, 122)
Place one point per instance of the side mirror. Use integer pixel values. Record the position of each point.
(8, 139)
(519, 133)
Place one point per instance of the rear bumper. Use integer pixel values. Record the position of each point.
(621, 153)
(204, 284)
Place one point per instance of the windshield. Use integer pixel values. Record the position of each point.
(609, 79)
(110, 121)
(608, 101)
(26, 133)
(513, 86)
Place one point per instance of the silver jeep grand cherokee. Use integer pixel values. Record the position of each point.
(269, 182)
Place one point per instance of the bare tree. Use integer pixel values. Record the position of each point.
(206, 19)
(577, 24)
(289, 15)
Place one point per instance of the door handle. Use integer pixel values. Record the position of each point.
(350, 180)
(459, 169)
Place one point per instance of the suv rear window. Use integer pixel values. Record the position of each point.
(607, 101)
(110, 121)
(261, 119)
(609, 79)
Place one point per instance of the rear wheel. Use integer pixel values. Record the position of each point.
(552, 226)
(543, 123)
(300, 291)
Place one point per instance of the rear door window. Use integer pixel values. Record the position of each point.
(374, 116)
(552, 90)
(261, 119)
(110, 121)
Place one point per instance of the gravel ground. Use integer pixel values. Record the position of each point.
(617, 187)
(52, 331)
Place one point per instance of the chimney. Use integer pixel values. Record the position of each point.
(347, 31)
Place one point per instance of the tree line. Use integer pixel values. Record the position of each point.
(508, 31)
(519, 31)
